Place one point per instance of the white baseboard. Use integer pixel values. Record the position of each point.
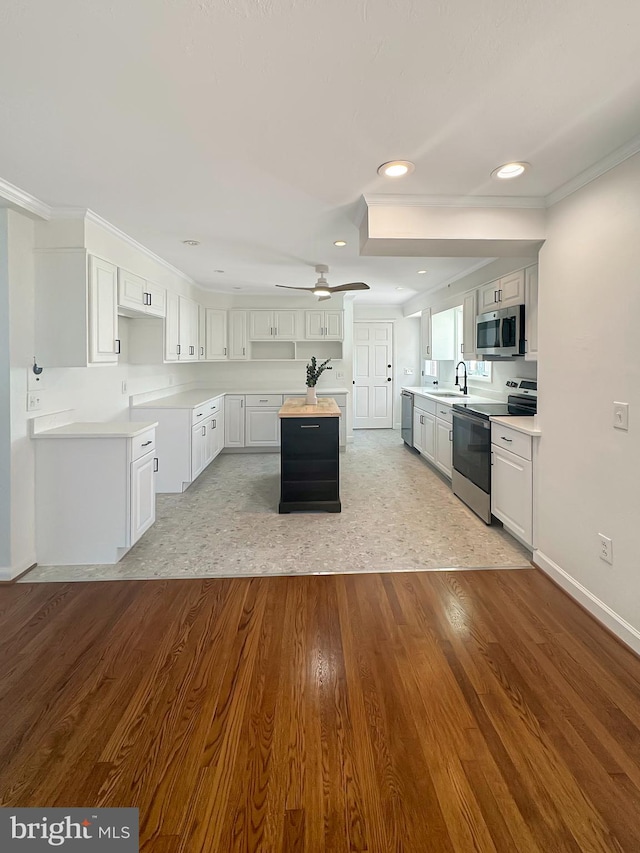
(8, 573)
(601, 611)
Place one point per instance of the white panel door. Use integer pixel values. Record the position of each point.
(238, 335)
(285, 325)
(443, 446)
(512, 289)
(143, 496)
(314, 325)
(234, 421)
(261, 325)
(131, 290)
(216, 334)
(171, 327)
(103, 311)
(373, 378)
(262, 427)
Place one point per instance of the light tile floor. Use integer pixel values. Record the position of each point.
(398, 514)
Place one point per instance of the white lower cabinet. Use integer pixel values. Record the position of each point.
(185, 443)
(262, 427)
(443, 446)
(234, 420)
(512, 482)
(424, 427)
(95, 493)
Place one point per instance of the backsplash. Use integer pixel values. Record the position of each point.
(500, 372)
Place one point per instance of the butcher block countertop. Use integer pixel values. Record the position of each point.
(298, 408)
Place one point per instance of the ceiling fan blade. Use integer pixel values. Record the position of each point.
(288, 287)
(354, 285)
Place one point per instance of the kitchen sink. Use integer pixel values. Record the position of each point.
(447, 394)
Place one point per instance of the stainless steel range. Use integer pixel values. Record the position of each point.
(471, 475)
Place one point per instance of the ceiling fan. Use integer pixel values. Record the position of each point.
(322, 289)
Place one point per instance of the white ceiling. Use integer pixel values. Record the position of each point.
(255, 126)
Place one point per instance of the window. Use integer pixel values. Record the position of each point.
(479, 370)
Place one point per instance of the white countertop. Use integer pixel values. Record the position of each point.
(448, 401)
(198, 396)
(526, 424)
(92, 429)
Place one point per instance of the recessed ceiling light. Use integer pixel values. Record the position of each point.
(396, 168)
(399, 288)
(191, 242)
(422, 272)
(236, 287)
(218, 270)
(509, 170)
(339, 242)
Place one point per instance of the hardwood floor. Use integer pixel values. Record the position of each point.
(474, 711)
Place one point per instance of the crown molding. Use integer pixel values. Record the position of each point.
(90, 216)
(388, 199)
(27, 202)
(595, 171)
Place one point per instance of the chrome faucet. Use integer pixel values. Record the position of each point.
(457, 382)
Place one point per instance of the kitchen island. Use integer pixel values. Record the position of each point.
(309, 456)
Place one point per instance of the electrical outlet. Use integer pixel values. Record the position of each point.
(124, 386)
(34, 401)
(606, 548)
(408, 371)
(339, 374)
(621, 416)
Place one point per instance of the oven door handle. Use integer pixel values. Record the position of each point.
(477, 421)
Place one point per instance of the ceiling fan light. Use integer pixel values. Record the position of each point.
(321, 290)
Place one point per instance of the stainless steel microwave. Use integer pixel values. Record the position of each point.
(500, 334)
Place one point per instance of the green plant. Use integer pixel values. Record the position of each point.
(315, 371)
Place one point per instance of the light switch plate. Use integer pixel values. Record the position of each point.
(621, 416)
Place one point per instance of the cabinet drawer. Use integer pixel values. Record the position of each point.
(213, 406)
(142, 444)
(263, 400)
(511, 439)
(444, 413)
(425, 405)
(201, 412)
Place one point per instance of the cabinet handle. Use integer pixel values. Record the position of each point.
(461, 348)
(192, 350)
(204, 430)
(325, 330)
(155, 465)
(178, 349)
(225, 350)
(243, 351)
(149, 295)
(214, 423)
(309, 426)
(241, 403)
(504, 438)
(117, 346)
(271, 331)
(495, 296)
(500, 295)
(201, 350)
(428, 350)
(199, 415)
(147, 443)
(450, 435)
(442, 412)
(492, 457)
(264, 401)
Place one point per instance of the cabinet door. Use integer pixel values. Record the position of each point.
(314, 325)
(512, 492)
(171, 327)
(156, 300)
(131, 290)
(188, 329)
(443, 446)
(531, 313)
(210, 439)
(103, 311)
(418, 430)
(143, 496)
(511, 289)
(429, 436)
(202, 333)
(262, 427)
(489, 297)
(285, 324)
(198, 449)
(238, 335)
(333, 325)
(234, 421)
(216, 334)
(425, 333)
(261, 327)
(469, 327)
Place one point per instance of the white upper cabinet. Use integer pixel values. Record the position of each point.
(238, 335)
(506, 291)
(273, 325)
(216, 335)
(425, 333)
(104, 345)
(188, 329)
(324, 325)
(76, 319)
(531, 313)
(171, 327)
(469, 327)
(137, 294)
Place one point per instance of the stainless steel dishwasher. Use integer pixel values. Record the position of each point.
(406, 429)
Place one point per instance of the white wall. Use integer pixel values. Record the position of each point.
(5, 402)
(588, 473)
(406, 346)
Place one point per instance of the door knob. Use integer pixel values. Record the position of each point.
(388, 379)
